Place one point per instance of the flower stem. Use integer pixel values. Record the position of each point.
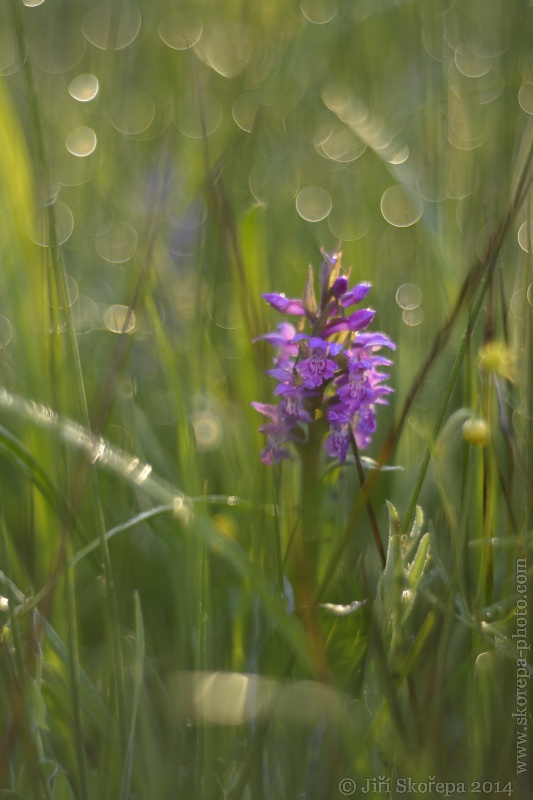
(311, 492)
(369, 508)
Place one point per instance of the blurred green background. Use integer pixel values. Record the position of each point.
(161, 165)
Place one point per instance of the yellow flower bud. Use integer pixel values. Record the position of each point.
(476, 431)
(495, 356)
(490, 356)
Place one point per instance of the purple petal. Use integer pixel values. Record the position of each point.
(338, 442)
(373, 339)
(284, 304)
(340, 286)
(365, 427)
(267, 409)
(315, 343)
(292, 410)
(355, 295)
(339, 413)
(273, 453)
(355, 322)
(281, 338)
(282, 373)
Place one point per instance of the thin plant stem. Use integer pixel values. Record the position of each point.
(411, 506)
(75, 684)
(369, 508)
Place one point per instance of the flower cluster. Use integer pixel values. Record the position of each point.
(331, 374)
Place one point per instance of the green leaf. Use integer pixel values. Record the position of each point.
(36, 706)
(138, 671)
(308, 297)
(62, 787)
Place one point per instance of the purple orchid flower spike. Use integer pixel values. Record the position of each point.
(330, 376)
(318, 367)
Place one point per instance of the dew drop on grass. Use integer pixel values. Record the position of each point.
(81, 142)
(143, 475)
(181, 30)
(112, 25)
(119, 319)
(84, 88)
(401, 206)
(116, 242)
(313, 203)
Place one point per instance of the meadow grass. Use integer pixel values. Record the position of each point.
(162, 635)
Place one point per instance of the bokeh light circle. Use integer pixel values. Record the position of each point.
(401, 206)
(81, 142)
(119, 319)
(181, 30)
(244, 110)
(349, 221)
(408, 296)
(412, 316)
(116, 242)
(64, 224)
(196, 123)
(8, 51)
(112, 25)
(6, 331)
(319, 12)
(84, 88)
(525, 97)
(133, 112)
(525, 235)
(313, 203)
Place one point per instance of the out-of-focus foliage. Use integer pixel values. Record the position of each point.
(161, 165)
